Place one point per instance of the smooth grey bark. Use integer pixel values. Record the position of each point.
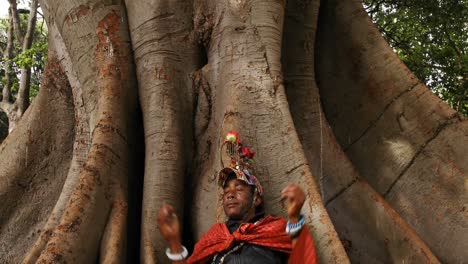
(358, 212)
(34, 165)
(81, 144)
(165, 59)
(94, 217)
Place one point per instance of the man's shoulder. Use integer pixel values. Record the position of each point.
(273, 218)
(217, 228)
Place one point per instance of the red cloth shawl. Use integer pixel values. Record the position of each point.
(268, 232)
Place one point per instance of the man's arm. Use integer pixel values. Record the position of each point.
(295, 197)
(169, 227)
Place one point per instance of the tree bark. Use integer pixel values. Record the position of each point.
(164, 58)
(393, 129)
(34, 164)
(201, 68)
(358, 212)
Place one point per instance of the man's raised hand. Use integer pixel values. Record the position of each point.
(295, 197)
(169, 225)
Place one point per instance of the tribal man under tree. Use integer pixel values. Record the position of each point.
(248, 236)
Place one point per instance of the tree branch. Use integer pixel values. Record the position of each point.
(430, 65)
(16, 20)
(453, 45)
(462, 98)
(25, 81)
(393, 36)
(7, 57)
(374, 8)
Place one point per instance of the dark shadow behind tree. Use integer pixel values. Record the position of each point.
(3, 126)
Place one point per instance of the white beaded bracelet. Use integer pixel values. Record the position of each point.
(294, 229)
(177, 256)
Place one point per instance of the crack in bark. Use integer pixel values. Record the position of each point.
(201, 85)
(454, 119)
(277, 79)
(109, 148)
(295, 168)
(339, 193)
(151, 41)
(106, 128)
(374, 122)
(228, 114)
(160, 16)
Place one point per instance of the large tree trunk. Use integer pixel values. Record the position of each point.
(400, 136)
(34, 164)
(205, 67)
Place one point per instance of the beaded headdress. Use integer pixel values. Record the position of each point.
(240, 162)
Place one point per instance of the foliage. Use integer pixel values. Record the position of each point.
(35, 57)
(431, 38)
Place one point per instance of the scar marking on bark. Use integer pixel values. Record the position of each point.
(76, 13)
(240, 28)
(308, 42)
(374, 122)
(454, 119)
(161, 74)
(277, 79)
(109, 44)
(340, 192)
(58, 258)
(73, 226)
(105, 128)
(265, 56)
(204, 24)
(108, 149)
(200, 84)
(401, 119)
(94, 172)
(157, 17)
(229, 114)
(153, 40)
(23, 186)
(295, 168)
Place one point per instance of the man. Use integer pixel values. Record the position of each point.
(248, 236)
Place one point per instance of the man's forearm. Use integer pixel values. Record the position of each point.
(294, 219)
(176, 247)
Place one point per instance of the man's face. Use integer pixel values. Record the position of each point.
(237, 199)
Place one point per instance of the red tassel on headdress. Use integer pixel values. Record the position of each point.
(246, 153)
